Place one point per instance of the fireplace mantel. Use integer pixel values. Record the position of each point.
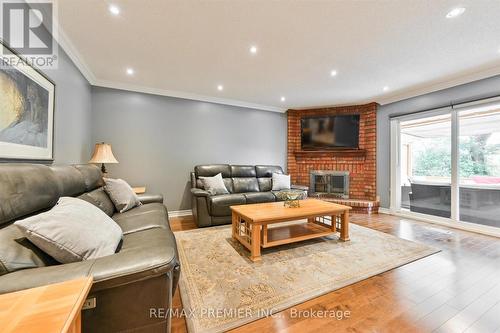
(331, 153)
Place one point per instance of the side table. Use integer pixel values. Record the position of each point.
(51, 308)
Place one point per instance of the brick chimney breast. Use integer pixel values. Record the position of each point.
(361, 163)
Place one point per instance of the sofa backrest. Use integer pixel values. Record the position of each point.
(238, 178)
(28, 188)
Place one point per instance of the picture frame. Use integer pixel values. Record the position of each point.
(27, 107)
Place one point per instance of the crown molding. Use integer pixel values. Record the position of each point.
(185, 95)
(464, 79)
(66, 44)
(75, 56)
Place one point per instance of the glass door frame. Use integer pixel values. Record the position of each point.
(395, 165)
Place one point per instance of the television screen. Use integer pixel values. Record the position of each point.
(328, 132)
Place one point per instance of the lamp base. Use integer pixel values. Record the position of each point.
(103, 169)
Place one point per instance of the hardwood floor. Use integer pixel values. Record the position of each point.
(456, 290)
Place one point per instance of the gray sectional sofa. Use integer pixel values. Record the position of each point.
(141, 275)
(247, 184)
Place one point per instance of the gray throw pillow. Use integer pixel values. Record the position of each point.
(73, 230)
(121, 194)
(281, 182)
(214, 185)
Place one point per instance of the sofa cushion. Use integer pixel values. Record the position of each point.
(74, 230)
(212, 169)
(258, 197)
(99, 198)
(26, 189)
(265, 184)
(17, 253)
(246, 184)
(92, 176)
(70, 180)
(219, 204)
(147, 216)
(267, 170)
(243, 171)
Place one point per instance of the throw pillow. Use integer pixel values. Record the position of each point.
(121, 194)
(214, 185)
(73, 230)
(281, 182)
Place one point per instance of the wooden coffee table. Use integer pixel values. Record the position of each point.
(250, 223)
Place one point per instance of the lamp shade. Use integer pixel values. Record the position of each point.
(103, 154)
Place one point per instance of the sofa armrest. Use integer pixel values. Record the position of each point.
(200, 193)
(36, 277)
(138, 261)
(150, 198)
(152, 253)
(300, 187)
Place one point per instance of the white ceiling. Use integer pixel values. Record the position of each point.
(185, 48)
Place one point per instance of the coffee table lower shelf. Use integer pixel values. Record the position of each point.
(292, 233)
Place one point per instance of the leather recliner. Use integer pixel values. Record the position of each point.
(247, 184)
(140, 276)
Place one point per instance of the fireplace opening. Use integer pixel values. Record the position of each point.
(335, 183)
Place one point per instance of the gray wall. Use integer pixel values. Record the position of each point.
(158, 140)
(72, 125)
(467, 92)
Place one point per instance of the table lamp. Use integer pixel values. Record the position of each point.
(103, 154)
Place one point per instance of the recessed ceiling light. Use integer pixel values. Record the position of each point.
(253, 49)
(130, 71)
(282, 98)
(455, 12)
(333, 73)
(220, 87)
(386, 88)
(113, 9)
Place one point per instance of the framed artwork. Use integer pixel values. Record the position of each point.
(26, 109)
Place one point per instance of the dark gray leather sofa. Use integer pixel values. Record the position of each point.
(143, 274)
(247, 184)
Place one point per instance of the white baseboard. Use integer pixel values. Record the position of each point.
(383, 210)
(179, 213)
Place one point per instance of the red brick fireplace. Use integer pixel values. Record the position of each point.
(360, 163)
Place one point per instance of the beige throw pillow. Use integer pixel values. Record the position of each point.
(121, 194)
(73, 230)
(281, 182)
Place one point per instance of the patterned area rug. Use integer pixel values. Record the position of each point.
(222, 289)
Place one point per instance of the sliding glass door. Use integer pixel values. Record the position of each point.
(426, 165)
(445, 164)
(479, 165)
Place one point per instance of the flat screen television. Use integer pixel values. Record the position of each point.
(330, 132)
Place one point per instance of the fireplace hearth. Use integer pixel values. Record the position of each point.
(332, 183)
